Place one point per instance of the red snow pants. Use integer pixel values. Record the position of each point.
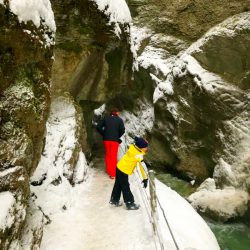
(111, 148)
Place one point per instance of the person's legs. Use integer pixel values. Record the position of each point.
(122, 185)
(116, 192)
(126, 192)
(113, 158)
(111, 150)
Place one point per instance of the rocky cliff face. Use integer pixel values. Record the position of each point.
(93, 63)
(185, 19)
(189, 93)
(25, 68)
(200, 88)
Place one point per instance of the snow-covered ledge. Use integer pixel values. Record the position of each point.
(7, 204)
(221, 204)
(62, 164)
(189, 229)
(112, 9)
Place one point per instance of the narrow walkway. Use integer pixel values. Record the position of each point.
(93, 224)
(113, 227)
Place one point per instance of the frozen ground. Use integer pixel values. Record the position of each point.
(92, 224)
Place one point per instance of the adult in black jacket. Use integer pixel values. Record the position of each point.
(111, 128)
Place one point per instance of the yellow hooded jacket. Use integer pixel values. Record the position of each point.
(128, 162)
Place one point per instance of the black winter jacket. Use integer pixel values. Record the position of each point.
(111, 128)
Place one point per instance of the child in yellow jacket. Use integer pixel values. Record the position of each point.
(126, 167)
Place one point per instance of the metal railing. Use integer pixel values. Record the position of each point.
(150, 203)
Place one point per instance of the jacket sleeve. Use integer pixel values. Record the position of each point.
(100, 127)
(121, 128)
(143, 170)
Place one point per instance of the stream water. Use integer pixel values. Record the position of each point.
(230, 236)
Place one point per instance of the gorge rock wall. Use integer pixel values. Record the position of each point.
(92, 61)
(185, 19)
(189, 93)
(195, 55)
(26, 50)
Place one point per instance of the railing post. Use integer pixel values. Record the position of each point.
(153, 202)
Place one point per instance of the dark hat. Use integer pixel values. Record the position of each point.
(140, 142)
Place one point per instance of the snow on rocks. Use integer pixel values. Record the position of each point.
(139, 122)
(35, 11)
(163, 63)
(62, 145)
(165, 69)
(7, 204)
(113, 8)
(33, 229)
(231, 197)
(153, 58)
(100, 110)
(189, 229)
(117, 11)
(229, 28)
(12, 216)
(80, 173)
(40, 13)
(222, 204)
(137, 36)
(233, 167)
(62, 163)
(223, 174)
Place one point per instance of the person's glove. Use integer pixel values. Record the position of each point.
(145, 183)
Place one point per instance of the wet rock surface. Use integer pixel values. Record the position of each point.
(25, 66)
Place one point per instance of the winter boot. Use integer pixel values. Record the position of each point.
(132, 206)
(115, 203)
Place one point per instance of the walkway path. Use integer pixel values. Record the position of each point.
(93, 224)
(113, 227)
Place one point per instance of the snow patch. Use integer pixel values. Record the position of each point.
(9, 171)
(229, 28)
(156, 57)
(34, 227)
(60, 140)
(222, 203)
(208, 184)
(80, 171)
(39, 12)
(163, 88)
(7, 202)
(224, 170)
(137, 123)
(35, 11)
(184, 221)
(116, 10)
(153, 58)
(137, 36)
(53, 168)
(100, 110)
